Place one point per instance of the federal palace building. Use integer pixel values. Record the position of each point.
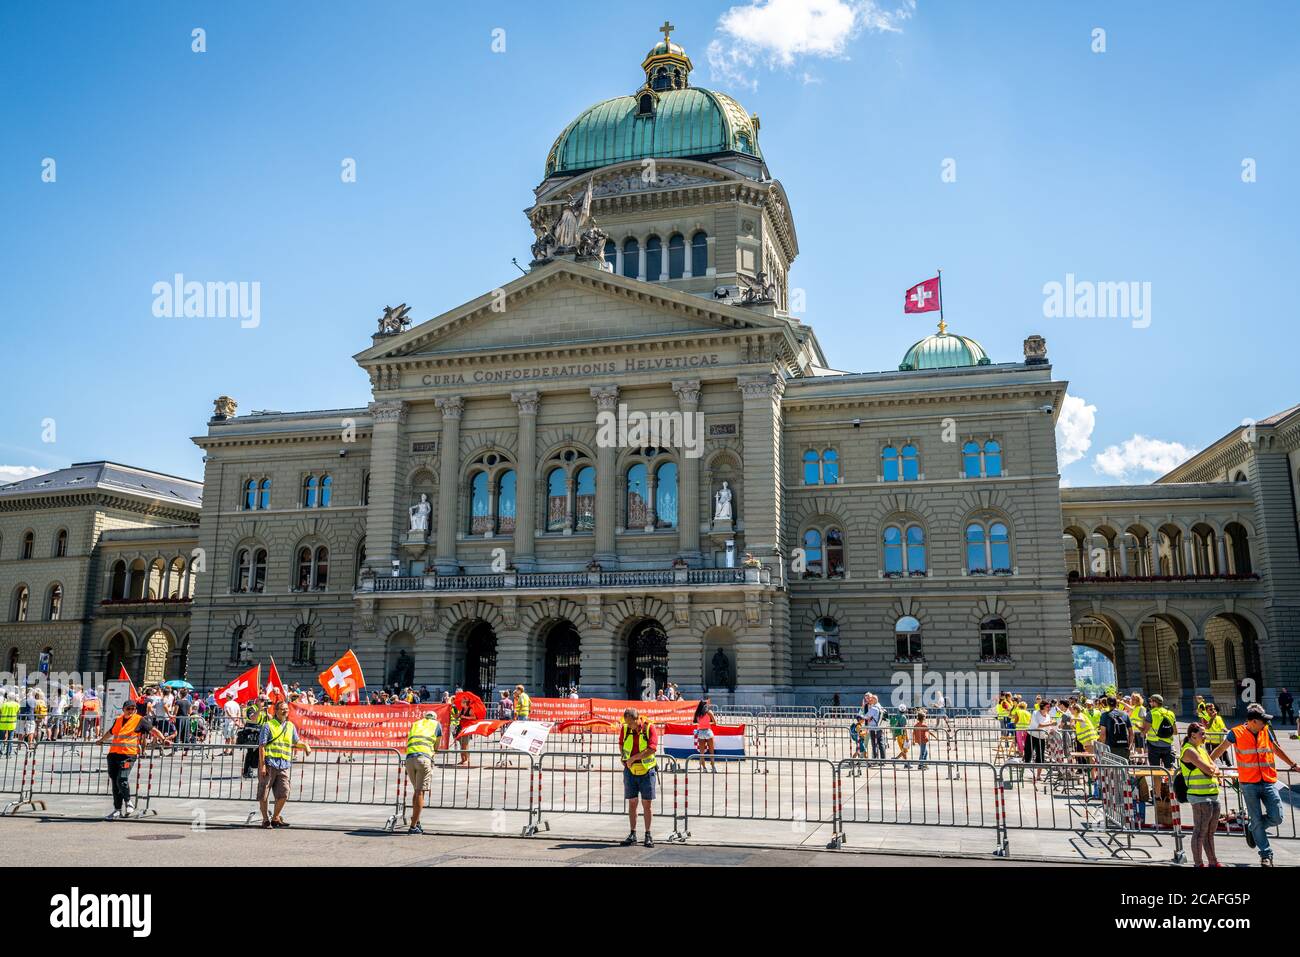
(791, 531)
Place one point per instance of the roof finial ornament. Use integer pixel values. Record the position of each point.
(666, 29)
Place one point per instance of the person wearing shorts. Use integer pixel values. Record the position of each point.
(638, 741)
(279, 739)
(421, 745)
(704, 734)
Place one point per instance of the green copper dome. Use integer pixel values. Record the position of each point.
(685, 122)
(944, 350)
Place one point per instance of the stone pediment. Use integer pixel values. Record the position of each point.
(566, 303)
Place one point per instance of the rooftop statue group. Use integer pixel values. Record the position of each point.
(572, 232)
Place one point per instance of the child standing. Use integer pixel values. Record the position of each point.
(898, 724)
(921, 737)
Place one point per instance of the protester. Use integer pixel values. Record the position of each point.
(8, 722)
(875, 715)
(898, 727)
(421, 747)
(1116, 730)
(125, 735)
(1040, 722)
(1202, 776)
(704, 734)
(230, 724)
(1160, 734)
(1256, 753)
(505, 706)
(523, 704)
(1215, 733)
(1285, 704)
(638, 742)
(279, 739)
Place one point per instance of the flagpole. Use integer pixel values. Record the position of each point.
(943, 326)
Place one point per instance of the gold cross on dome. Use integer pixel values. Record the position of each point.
(666, 29)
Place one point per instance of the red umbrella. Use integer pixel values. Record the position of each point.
(467, 701)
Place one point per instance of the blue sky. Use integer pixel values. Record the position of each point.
(1117, 166)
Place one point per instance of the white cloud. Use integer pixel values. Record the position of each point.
(778, 32)
(16, 473)
(1139, 454)
(1074, 430)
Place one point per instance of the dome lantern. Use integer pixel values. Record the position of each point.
(667, 67)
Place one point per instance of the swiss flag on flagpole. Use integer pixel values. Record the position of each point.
(123, 676)
(923, 297)
(243, 689)
(274, 686)
(343, 677)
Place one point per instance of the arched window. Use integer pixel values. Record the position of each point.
(250, 494)
(1238, 550)
(826, 639)
(505, 523)
(992, 459)
(830, 467)
(241, 651)
(646, 105)
(812, 553)
(611, 253)
(54, 604)
(584, 499)
(304, 646)
(258, 583)
(911, 464)
(243, 560)
(365, 489)
(117, 584)
(61, 544)
(812, 468)
(309, 492)
(821, 468)
(326, 487)
(700, 254)
(631, 257)
(666, 495)
(264, 495)
(638, 501)
(970, 460)
(480, 514)
(20, 604)
(988, 548)
(29, 545)
(676, 256)
(304, 569)
(557, 500)
(993, 640)
(889, 464)
(904, 550)
(653, 259)
(360, 559)
(907, 639)
(321, 579)
(176, 579)
(823, 552)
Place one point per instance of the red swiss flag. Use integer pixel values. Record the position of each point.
(243, 689)
(274, 686)
(923, 297)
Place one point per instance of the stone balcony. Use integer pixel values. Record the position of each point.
(622, 580)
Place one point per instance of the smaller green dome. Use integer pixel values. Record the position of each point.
(944, 350)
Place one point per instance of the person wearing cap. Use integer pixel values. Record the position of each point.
(1161, 728)
(523, 703)
(638, 742)
(1256, 754)
(125, 735)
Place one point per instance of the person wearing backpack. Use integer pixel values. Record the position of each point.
(1200, 777)
(1160, 734)
(1116, 730)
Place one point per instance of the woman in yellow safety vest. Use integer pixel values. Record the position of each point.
(1021, 718)
(1215, 731)
(1202, 776)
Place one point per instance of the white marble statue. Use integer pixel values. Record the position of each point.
(419, 513)
(722, 504)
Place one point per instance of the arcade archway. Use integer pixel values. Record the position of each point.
(563, 669)
(647, 660)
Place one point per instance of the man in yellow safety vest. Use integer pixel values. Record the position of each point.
(421, 747)
(279, 739)
(638, 742)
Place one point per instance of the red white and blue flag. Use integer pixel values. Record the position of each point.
(678, 740)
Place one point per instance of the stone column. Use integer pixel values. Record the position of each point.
(1189, 555)
(1123, 554)
(606, 481)
(760, 439)
(526, 479)
(452, 408)
(383, 527)
(1155, 552)
(688, 502)
(1222, 568)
